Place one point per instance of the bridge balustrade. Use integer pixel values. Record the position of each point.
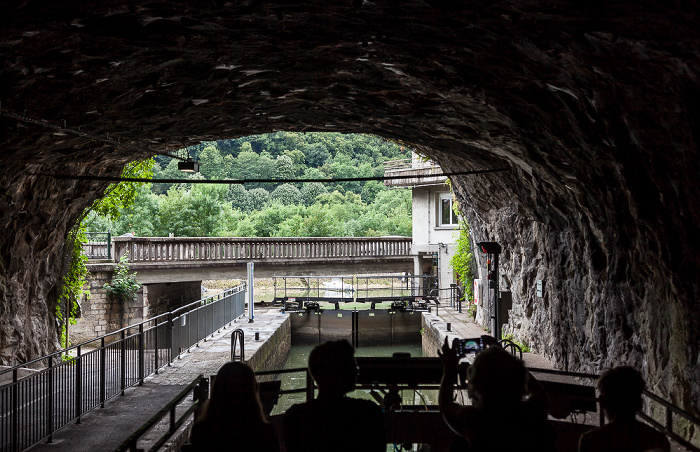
(173, 249)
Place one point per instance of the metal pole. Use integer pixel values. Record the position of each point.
(78, 386)
(155, 344)
(103, 372)
(109, 244)
(123, 362)
(142, 355)
(49, 404)
(15, 412)
(251, 278)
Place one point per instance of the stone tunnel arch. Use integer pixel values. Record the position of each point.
(594, 110)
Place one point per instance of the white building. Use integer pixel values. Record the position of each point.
(435, 225)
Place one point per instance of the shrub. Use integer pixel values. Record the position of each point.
(124, 285)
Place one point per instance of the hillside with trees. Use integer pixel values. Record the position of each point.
(272, 209)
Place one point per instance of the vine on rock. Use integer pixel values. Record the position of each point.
(74, 284)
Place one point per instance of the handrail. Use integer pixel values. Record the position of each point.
(120, 360)
(170, 314)
(200, 386)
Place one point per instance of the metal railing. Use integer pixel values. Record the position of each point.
(83, 377)
(199, 387)
(652, 407)
(98, 245)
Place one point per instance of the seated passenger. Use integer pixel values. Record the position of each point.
(233, 418)
(621, 397)
(498, 419)
(334, 422)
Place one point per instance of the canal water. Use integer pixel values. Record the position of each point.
(298, 358)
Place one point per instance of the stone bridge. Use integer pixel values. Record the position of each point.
(171, 269)
(178, 259)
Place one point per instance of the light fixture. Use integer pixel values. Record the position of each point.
(188, 166)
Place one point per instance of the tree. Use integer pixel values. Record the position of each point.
(257, 198)
(286, 194)
(284, 167)
(316, 154)
(309, 191)
(211, 163)
(237, 195)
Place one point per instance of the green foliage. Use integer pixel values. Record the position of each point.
(73, 284)
(523, 346)
(250, 209)
(124, 286)
(463, 261)
(310, 191)
(120, 195)
(286, 194)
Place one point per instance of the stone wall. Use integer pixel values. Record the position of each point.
(101, 314)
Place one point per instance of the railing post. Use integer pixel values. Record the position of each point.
(49, 403)
(109, 244)
(103, 372)
(142, 355)
(123, 362)
(309, 386)
(669, 419)
(78, 386)
(15, 412)
(171, 327)
(155, 345)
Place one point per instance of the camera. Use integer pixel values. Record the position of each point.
(471, 345)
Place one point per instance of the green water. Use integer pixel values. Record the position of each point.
(299, 355)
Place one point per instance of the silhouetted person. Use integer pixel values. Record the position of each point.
(498, 419)
(334, 422)
(621, 397)
(233, 418)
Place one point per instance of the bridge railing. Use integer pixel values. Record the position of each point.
(170, 249)
(81, 378)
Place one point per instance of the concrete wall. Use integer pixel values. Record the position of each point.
(274, 352)
(429, 238)
(425, 210)
(164, 297)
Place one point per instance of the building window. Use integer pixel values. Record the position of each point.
(448, 217)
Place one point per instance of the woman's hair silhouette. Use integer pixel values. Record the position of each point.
(233, 418)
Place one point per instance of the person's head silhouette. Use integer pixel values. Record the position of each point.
(495, 378)
(621, 392)
(333, 367)
(235, 392)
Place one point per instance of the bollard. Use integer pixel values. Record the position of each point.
(449, 326)
(257, 336)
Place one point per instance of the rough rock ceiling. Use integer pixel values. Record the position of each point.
(593, 106)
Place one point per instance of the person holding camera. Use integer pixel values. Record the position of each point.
(500, 417)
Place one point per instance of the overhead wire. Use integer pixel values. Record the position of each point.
(264, 181)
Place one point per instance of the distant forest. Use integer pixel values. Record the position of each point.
(343, 209)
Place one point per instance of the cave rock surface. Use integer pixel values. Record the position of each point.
(593, 107)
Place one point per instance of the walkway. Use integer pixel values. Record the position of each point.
(106, 428)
